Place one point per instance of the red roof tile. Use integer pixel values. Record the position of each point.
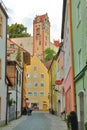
(56, 43)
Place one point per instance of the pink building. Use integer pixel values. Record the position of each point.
(68, 59)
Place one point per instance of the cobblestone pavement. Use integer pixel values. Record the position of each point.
(37, 121)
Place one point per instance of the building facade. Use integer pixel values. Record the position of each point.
(79, 34)
(3, 42)
(36, 85)
(68, 62)
(41, 35)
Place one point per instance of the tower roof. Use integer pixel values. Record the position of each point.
(40, 18)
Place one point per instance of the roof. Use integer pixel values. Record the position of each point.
(47, 64)
(25, 43)
(56, 43)
(63, 17)
(12, 42)
(41, 18)
(3, 8)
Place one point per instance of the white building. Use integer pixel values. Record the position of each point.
(3, 39)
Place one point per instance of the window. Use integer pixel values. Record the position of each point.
(79, 12)
(19, 79)
(0, 68)
(11, 45)
(1, 25)
(30, 84)
(86, 3)
(79, 58)
(35, 94)
(35, 84)
(30, 94)
(35, 68)
(39, 42)
(42, 75)
(35, 75)
(27, 75)
(38, 31)
(42, 84)
(41, 94)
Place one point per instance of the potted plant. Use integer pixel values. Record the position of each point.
(85, 125)
(72, 123)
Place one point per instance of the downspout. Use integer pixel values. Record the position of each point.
(16, 94)
(51, 93)
(7, 106)
(22, 93)
(5, 77)
(72, 57)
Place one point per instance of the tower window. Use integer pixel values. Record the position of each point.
(38, 31)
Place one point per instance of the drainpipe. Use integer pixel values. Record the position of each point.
(6, 106)
(22, 94)
(72, 57)
(16, 94)
(5, 74)
(51, 93)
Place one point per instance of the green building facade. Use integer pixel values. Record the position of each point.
(79, 39)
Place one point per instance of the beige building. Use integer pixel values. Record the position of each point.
(25, 43)
(37, 84)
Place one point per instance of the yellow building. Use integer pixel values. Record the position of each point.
(37, 84)
(54, 90)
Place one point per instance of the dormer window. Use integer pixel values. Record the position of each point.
(1, 25)
(12, 46)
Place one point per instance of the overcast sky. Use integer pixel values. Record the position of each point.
(24, 11)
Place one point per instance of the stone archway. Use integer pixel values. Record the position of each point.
(81, 111)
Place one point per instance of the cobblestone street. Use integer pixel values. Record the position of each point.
(37, 121)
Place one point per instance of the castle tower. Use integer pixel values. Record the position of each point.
(41, 35)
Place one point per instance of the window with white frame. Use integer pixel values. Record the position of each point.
(42, 84)
(79, 12)
(86, 3)
(30, 84)
(27, 75)
(35, 68)
(35, 94)
(41, 94)
(30, 94)
(35, 75)
(42, 75)
(1, 22)
(12, 46)
(35, 84)
(86, 48)
(80, 58)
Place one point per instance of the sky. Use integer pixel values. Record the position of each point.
(25, 11)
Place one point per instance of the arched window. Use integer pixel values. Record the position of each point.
(0, 25)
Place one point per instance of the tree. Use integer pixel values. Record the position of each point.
(17, 30)
(18, 56)
(49, 53)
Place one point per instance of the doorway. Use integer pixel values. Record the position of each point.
(81, 110)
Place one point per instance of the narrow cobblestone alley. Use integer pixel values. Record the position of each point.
(37, 121)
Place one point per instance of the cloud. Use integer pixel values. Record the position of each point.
(24, 11)
(28, 22)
